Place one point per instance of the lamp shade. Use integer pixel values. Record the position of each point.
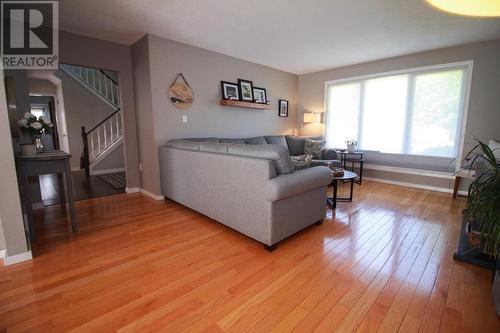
(479, 8)
(310, 117)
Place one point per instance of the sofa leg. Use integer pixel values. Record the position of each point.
(270, 248)
(320, 222)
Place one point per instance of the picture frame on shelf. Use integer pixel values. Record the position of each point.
(230, 90)
(260, 95)
(283, 108)
(246, 90)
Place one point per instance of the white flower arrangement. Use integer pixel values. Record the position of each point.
(34, 126)
(351, 142)
(351, 145)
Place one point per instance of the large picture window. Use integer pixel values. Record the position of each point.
(415, 112)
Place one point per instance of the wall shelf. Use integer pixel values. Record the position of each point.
(247, 105)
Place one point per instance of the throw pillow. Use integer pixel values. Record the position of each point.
(314, 147)
(495, 147)
(301, 161)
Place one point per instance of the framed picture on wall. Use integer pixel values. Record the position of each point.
(283, 108)
(260, 96)
(230, 90)
(246, 90)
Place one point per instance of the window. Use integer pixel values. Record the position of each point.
(37, 111)
(415, 112)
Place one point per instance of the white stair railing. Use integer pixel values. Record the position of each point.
(95, 80)
(104, 135)
(101, 139)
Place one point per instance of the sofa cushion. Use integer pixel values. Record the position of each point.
(215, 147)
(296, 144)
(234, 141)
(301, 181)
(495, 147)
(260, 140)
(301, 161)
(314, 147)
(203, 139)
(278, 154)
(277, 140)
(183, 144)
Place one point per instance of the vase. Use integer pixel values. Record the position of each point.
(38, 144)
(351, 148)
(28, 149)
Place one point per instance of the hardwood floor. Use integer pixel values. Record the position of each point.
(82, 187)
(383, 263)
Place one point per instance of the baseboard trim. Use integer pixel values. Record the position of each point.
(132, 189)
(152, 195)
(2, 254)
(17, 258)
(413, 185)
(106, 171)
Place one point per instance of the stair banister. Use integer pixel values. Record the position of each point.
(109, 137)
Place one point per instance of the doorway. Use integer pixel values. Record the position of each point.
(45, 106)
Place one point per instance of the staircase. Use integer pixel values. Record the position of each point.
(107, 135)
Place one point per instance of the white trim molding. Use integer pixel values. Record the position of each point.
(466, 63)
(106, 171)
(17, 258)
(413, 185)
(146, 193)
(132, 189)
(152, 195)
(2, 253)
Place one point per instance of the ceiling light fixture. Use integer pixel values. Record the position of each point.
(478, 8)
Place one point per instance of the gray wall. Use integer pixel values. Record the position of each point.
(112, 161)
(84, 51)
(203, 70)
(148, 154)
(483, 118)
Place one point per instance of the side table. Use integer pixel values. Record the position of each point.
(348, 176)
(355, 157)
(462, 174)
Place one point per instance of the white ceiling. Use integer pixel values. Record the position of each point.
(297, 36)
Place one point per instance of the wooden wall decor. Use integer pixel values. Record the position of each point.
(180, 93)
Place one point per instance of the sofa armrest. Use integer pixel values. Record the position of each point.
(301, 181)
(329, 154)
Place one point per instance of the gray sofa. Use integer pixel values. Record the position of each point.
(249, 187)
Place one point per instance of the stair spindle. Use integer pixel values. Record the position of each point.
(111, 130)
(91, 154)
(105, 135)
(112, 90)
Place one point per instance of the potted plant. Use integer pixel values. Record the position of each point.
(482, 216)
(35, 127)
(351, 145)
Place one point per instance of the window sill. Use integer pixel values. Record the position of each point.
(410, 171)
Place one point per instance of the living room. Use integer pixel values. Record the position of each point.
(279, 177)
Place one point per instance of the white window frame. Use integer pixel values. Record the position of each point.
(468, 66)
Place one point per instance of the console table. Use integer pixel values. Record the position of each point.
(41, 164)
